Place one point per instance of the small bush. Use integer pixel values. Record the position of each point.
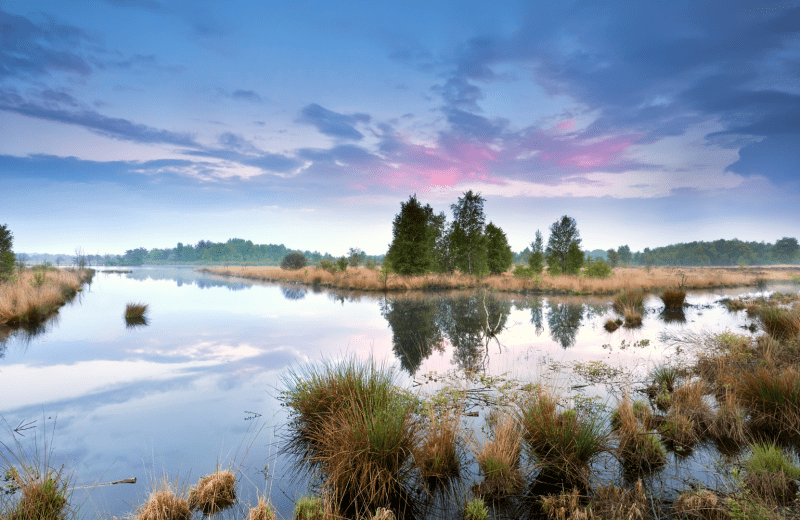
(43, 497)
(327, 265)
(673, 299)
(342, 263)
(599, 269)
(520, 271)
(294, 261)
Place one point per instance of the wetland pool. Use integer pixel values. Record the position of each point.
(197, 387)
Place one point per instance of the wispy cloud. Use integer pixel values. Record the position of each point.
(332, 123)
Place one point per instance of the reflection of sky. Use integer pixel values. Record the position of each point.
(173, 396)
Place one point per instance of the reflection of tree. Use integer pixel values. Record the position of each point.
(471, 322)
(537, 313)
(293, 293)
(564, 320)
(415, 333)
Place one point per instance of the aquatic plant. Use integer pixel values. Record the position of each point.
(438, 454)
(673, 299)
(213, 493)
(309, 508)
(262, 511)
(619, 503)
(638, 448)
(771, 475)
(679, 430)
(772, 396)
(611, 325)
(628, 301)
(728, 425)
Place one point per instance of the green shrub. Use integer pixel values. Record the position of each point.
(599, 269)
(342, 263)
(520, 271)
(327, 265)
(294, 261)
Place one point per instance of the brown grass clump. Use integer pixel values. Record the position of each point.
(673, 299)
(612, 325)
(729, 424)
(618, 503)
(498, 459)
(566, 506)
(702, 504)
(164, 504)
(772, 396)
(679, 430)
(774, 488)
(262, 511)
(628, 301)
(361, 278)
(638, 447)
(779, 322)
(43, 497)
(437, 456)
(688, 400)
(213, 493)
(31, 300)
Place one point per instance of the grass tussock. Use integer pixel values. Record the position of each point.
(314, 508)
(262, 511)
(658, 278)
(499, 458)
(729, 424)
(688, 400)
(780, 322)
(673, 299)
(701, 504)
(679, 431)
(612, 325)
(438, 455)
(164, 503)
(628, 301)
(564, 440)
(638, 447)
(352, 424)
(213, 493)
(32, 296)
(772, 396)
(619, 503)
(771, 475)
(135, 310)
(42, 496)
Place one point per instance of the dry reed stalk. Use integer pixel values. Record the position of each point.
(361, 278)
(262, 511)
(638, 447)
(27, 300)
(687, 399)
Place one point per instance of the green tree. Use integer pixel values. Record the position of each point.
(498, 253)
(467, 235)
(355, 257)
(7, 258)
(563, 236)
(575, 259)
(536, 260)
(413, 238)
(613, 257)
(785, 250)
(294, 261)
(625, 256)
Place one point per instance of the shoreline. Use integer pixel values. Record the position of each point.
(650, 280)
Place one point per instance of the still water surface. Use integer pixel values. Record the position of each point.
(196, 387)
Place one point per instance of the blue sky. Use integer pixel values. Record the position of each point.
(142, 123)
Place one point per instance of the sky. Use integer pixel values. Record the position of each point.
(143, 123)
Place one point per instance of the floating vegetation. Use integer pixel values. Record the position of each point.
(135, 314)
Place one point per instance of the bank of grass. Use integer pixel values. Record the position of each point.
(31, 296)
(624, 278)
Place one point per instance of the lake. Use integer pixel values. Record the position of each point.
(196, 387)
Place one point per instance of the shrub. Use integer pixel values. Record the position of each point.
(327, 265)
(294, 261)
(520, 271)
(599, 269)
(342, 263)
(673, 299)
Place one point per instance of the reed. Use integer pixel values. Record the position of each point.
(563, 440)
(28, 300)
(164, 503)
(213, 493)
(438, 455)
(362, 278)
(499, 458)
(673, 299)
(43, 496)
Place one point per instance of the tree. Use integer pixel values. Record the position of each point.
(467, 233)
(536, 260)
(575, 259)
(294, 261)
(80, 258)
(7, 258)
(355, 256)
(563, 235)
(498, 253)
(625, 256)
(414, 237)
(613, 257)
(785, 250)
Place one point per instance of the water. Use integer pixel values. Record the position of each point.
(196, 387)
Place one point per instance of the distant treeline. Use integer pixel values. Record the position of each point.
(235, 251)
(718, 253)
